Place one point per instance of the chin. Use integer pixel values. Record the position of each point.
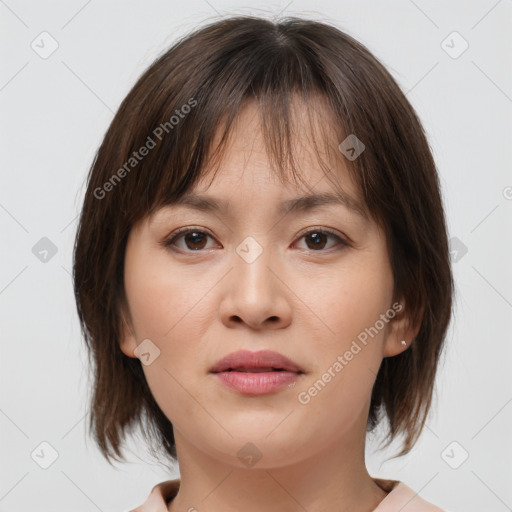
(256, 447)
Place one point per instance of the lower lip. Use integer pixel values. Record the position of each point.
(257, 383)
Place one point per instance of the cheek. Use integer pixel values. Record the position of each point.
(166, 307)
(350, 304)
(161, 296)
(347, 302)
(348, 357)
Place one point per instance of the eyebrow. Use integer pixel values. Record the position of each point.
(295, 205)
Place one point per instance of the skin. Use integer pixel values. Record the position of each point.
(305, 302)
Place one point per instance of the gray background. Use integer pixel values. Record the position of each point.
(54, 113)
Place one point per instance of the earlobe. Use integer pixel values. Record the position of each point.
(128, 341)
(400, 335)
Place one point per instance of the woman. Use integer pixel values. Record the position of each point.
(262, 271)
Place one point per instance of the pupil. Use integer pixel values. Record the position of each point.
(316, 237)
(193, 235)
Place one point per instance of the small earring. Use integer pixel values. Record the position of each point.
(404, 343)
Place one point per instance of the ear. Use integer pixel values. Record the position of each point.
(399, 328)
(128, 341)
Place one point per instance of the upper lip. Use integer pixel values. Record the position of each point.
(247, 360)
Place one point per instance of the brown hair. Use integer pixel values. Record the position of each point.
(174, 111)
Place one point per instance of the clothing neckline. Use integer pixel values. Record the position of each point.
(399, 497)
(169, 489)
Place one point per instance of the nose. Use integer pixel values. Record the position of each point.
(256, 294)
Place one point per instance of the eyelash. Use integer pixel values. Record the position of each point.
(169, 242)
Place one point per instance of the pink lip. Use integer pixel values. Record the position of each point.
(257, 383)
(265, 371)
(247, 360)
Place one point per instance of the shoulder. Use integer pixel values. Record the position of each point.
(159, 497)
(402, 497)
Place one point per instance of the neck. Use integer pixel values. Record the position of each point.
(334, 478)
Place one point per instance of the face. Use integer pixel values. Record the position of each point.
(313, 284)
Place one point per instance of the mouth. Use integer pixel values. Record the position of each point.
(257, 381)
(256, 373)
(256, 370)
(263, 361)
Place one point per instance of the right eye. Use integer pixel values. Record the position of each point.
(194, 240)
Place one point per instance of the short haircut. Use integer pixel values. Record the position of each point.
(174, 110)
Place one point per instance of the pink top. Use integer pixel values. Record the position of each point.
(400, 498)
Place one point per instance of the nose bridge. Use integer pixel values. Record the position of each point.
(252, 262)
(254, 294)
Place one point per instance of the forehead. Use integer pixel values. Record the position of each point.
(245, 165)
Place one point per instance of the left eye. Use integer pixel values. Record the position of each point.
(318, 238)
(195, 240)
